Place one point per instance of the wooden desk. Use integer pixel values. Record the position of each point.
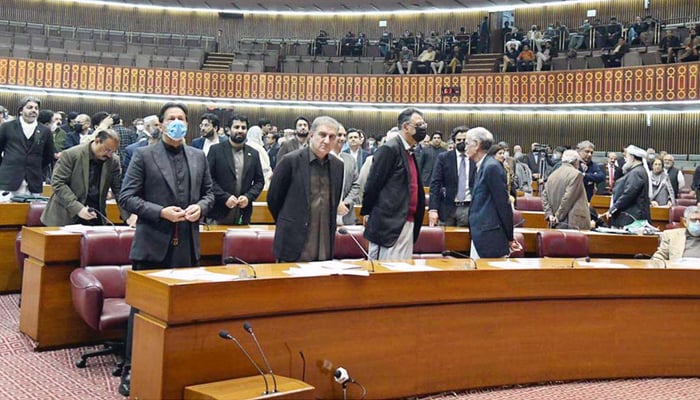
(599, 244)
(659, 215)
(47, 314)
(423, 329)
(248, 388)
(14, 215)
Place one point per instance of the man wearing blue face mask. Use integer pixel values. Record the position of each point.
(681, 243)
(168, 186)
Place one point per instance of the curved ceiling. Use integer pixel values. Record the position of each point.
(298, 6)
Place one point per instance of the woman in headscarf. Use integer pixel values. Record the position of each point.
(630, 198)
(661, 189)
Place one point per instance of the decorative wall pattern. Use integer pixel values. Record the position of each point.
(674, 82)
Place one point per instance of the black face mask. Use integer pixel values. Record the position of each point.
(238, 139)
(420, 134)
(461, 147)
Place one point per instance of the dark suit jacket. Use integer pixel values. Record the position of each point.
(199, 142)
(24, 160)
(427, 162)
(149, 187)
(288, 201)
(490, 214)
(288, 147)
(223, 176)
(72, 140)
(361, 157)
(129, 153)
(70, 183)
(443, 185)
(604, 186)
(387, 194)
(631, 197)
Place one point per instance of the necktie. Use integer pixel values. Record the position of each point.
(611, 175)
(462, 179)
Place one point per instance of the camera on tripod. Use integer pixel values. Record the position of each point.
(542, 148)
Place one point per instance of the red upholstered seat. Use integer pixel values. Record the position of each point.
(556, 243)
(518, 219)
(529, 203)
(521, 239)
(675, 213)
(106, 248)
(687, 202)
(250, 246)
(430, 243)
(346, 248)
(687, 195)
(33, 219)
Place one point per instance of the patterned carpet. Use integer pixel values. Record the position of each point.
(25, 374)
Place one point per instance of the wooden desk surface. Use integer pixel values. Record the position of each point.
(248, 388)
(12, 217)
(519, 325)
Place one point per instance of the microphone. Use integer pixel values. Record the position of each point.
(519, 224)
(342, 376)
(586, 259)
(225, 335)
(249, 329)
(231, 260)
(344, 231)
(453, 253)
(102, 216)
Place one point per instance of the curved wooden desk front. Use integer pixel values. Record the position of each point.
(408, 333)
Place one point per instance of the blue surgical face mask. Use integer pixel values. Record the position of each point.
(694, 228)
(177, 130)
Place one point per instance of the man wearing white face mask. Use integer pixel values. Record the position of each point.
(168, 186)
(683, 242)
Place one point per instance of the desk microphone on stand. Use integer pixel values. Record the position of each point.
(231, 260)
(225, 335)
(344, 231)
(249, 329)
(452, 253)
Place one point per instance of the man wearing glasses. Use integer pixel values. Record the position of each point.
(451, 184)
(394, 201)
(683, 242)
(79, 196)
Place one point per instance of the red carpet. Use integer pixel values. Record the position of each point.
(25, 374)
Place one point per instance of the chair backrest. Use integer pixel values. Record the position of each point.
(518, 218)
(112, 278)
(430, 243)
(687, 202)
(675, 213)
(34, 214)
(559, 243)
(520, 238)
(106, 248)
(529, 203)
(248, 245)
(345, 247)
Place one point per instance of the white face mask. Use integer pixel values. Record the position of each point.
(54, 126)
(139, 127)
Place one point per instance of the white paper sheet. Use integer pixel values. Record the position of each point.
(193, 274)
(88, 228)
(406, 267)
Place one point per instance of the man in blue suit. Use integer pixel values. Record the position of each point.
(451, 184)
(491, 216)
(208, 127)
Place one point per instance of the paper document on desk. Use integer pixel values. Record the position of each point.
(406, 267)
(77, 228)
(517, 263)
(599, 264)
(686, 262)
(325, 268)
(193, 274)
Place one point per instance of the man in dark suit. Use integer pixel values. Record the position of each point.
(168, 186)
(452, 183)
(355, 139)
(612, 172)
(151, 135)
(300, 139)
(394, 200)
(81, 127)
(82, 177)
(236, 175)
(592, 174)
(429, 157)
(304, 195)
(491, 216)
(208, 127)
(26, 149)
(351, 185)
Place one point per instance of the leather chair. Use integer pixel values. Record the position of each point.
(250, 246)
(687, 202)
(529, 203)
(33, 219)
(562, 244)
(430, 243)
(98, 289)
(346, 248)
(521, 239)
(518, 219)
(675, 213)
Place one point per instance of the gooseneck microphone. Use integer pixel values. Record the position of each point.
(231, 260)
(344, 231)
(586, 259)
(249, 329)
(452, 253)
(225, 335)
(102, 216)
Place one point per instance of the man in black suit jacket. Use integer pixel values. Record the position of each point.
(304, 195)
(605, 187)
(26, 149)
(446, 204)
(491, 216)
(300, 139)
(235, 185)
(209, 129)
(168, 186)
(394, 200)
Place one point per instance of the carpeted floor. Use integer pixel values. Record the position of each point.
(25, 374)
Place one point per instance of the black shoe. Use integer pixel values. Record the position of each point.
(125, 384)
